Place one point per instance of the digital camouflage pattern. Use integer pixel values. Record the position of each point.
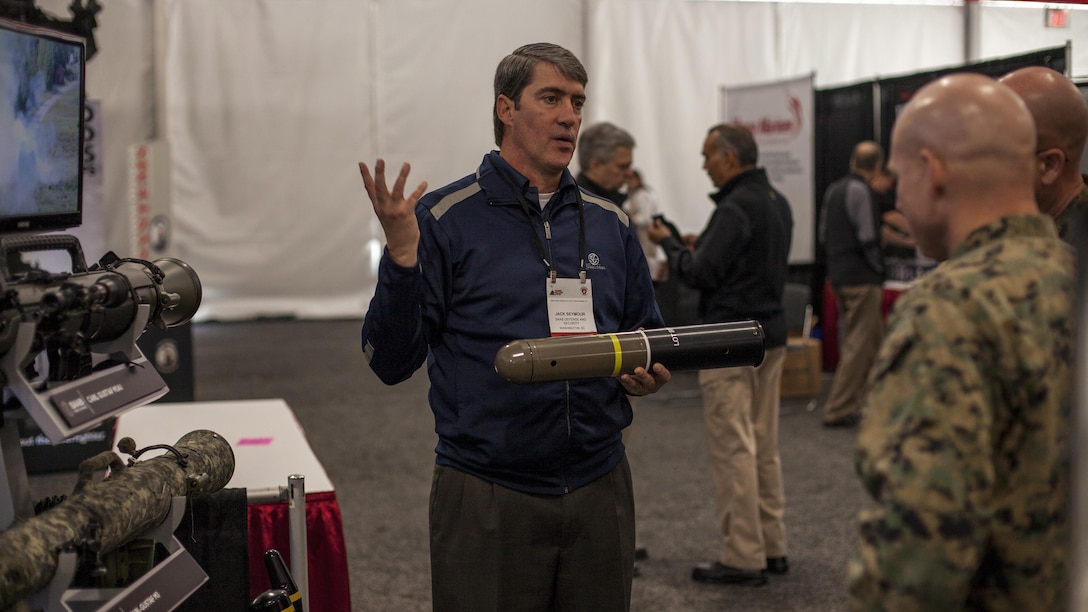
(962, 443)
(1071, 223)
(126, 505)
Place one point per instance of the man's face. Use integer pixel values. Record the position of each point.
(542, 128)
(913, 198)
(612, 174)
(883, 181)
(718, 165)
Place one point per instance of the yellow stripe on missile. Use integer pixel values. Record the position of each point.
(618, 354)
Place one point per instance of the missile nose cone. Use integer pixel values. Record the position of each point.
(514, 362)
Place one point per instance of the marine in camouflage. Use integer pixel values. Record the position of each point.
(1073, 221)
(126, 505)
(962, 443)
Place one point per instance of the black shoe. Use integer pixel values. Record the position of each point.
(845, 422)
(778, 565)
(716, 573)
(641, 554)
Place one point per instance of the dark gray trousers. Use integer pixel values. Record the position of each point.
(497, 550)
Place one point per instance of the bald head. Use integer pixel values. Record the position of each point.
(963, 149)
(1061, 121)
(867, 159)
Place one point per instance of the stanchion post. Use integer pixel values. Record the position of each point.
(296, 509)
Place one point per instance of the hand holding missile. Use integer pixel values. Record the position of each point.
(645, 382)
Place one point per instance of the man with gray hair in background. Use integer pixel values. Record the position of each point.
(605, 156)
(739, 264)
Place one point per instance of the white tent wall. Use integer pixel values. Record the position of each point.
(668, 59)
(1007, 28)
(269, 104)
(271, 110)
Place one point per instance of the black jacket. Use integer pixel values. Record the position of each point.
(740, 260)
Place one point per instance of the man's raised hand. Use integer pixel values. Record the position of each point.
(396, 213)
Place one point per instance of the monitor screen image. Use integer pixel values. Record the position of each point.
(41, 128)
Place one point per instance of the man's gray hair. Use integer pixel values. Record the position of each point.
(515, 71)
(599, 142)
(738, 139)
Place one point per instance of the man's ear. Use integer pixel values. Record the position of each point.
(936, 174)
(1051, 163)
(504, 108)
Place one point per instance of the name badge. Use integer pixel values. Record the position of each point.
(570, 306)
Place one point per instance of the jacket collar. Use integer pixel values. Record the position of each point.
(1033, 226)
(591, 186)
(498, 191)
(731, 185)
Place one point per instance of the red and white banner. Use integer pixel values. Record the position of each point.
(780, 116)
(149, 200)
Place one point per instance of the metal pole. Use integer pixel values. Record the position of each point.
(970, 31)
(296, 510)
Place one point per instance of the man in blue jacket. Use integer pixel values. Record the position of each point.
(531, 501)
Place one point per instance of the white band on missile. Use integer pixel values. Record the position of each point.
(646, 341)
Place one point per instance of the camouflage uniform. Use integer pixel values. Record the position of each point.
(963, 432)
(1072, 222)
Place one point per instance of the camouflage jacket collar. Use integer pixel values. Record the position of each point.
(1039, 226)
(1075, 213)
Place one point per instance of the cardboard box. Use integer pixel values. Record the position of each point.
(802, 370)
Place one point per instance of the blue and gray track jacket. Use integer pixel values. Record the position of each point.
(480, 283)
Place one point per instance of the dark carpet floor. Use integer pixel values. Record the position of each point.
(376, 443)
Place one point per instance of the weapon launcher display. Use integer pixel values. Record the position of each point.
(124, 506)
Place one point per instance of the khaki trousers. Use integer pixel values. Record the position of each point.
(863, 329)
(740, 407)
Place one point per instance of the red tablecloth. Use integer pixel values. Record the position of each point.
(327, 557)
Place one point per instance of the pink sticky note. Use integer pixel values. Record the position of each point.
(254, 442)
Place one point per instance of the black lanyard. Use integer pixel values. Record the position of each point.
(536, 237)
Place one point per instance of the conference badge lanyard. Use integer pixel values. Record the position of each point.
(570, 300)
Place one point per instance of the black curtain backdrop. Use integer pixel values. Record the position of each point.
(848, 115)
(844, 117)
(897, 91)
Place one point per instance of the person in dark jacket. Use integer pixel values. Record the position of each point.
(850, 232)
(531, 502)
(739, 265)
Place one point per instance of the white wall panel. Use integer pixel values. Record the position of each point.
(1010, 30)
(266, 114)
(845, 43)
(655, 69)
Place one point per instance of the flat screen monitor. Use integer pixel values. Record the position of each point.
(41, 128)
